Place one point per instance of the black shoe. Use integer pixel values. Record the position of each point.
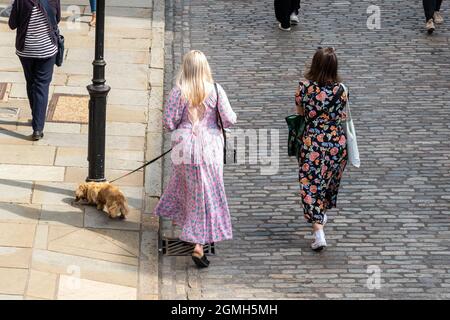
(201, 262)
(37, 135)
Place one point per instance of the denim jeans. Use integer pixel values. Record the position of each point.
(93, 4)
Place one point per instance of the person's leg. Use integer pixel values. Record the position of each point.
(43, 77)
(28, 70)
(317, 226)
(93, 4)
(319, 236)
(295, 6)
(429, 8)
(199, 258)
(313, 211)
(438, 18)
(282, 12)
(294, 9)
(199, 249)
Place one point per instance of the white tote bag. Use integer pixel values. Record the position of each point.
(350, 133)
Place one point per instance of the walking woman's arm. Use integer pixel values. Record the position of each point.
(58, 11)
(173, 110)
(227, 114)
(13, 17)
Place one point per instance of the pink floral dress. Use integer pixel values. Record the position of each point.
(195, 196)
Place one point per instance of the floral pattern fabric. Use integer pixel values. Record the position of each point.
(195, 196)
(323, 157)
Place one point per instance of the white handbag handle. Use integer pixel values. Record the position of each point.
(348, 101)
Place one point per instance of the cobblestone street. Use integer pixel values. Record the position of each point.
(393, 213)
(52, 247)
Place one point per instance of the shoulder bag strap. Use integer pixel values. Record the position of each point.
(337, 95)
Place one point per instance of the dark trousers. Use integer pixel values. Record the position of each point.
(284, 9)
(430, 6)
(38, 73)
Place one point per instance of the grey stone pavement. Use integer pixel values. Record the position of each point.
(393, 213)
(51, 247)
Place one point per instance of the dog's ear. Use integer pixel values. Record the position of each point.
(124, 208)
(113, 210)
(80, 192)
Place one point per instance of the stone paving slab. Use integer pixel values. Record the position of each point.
(81, 141)
(34, 155)
(126, 113)
(28, 172)
(13, 281)
(41, 238)
(94, 219)
(116, 56)
(91, 290)
(11, 191)
(14, 257)
(46, 240)
(17, 235)
(62, 215)
(91, 269)
(22, 213)
(55, 127)
(92, 244)
(115, 159)
(54, 193)
(10, 297)
(42, 285)
(129, 82)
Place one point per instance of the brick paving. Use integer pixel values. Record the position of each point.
(393, 213)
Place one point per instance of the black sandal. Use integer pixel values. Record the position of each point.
(200, 261)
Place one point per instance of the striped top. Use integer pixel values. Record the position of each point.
(38, 42)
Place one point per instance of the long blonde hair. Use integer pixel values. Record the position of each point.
(192, 79)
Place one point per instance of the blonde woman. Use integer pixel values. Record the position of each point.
(195, 196)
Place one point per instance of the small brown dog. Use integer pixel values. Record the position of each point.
(89, 191)
(103, 194)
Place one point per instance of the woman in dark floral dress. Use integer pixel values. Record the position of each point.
(324, 154)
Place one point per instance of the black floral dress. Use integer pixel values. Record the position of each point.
(324, 154)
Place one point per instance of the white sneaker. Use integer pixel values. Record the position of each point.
(437, 17)
(294, 18)
(284, 29)
(430, 26)
(319, 242)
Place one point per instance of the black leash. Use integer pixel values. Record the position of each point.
(143, 166)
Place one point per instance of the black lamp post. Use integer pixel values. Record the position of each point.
(98, 92)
